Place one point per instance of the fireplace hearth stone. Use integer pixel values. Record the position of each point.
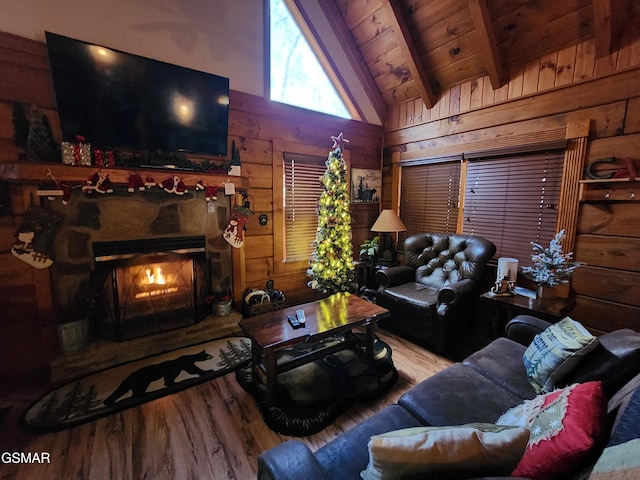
(101, 354)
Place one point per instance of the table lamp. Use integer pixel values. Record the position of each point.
(388, 222)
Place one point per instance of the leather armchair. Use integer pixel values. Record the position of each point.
(431, 297)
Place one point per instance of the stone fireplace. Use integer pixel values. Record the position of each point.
(109, 244)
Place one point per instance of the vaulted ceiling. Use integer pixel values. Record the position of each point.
(403, 49)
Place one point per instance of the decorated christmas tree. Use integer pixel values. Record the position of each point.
(332, 260)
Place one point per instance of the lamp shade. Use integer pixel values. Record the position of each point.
(388, 221)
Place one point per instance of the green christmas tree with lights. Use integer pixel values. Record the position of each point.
(332, 260)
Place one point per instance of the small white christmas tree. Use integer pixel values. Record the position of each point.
(551, 266)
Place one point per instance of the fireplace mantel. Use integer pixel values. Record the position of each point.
(37, 173)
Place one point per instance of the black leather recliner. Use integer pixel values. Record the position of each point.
(432, 295)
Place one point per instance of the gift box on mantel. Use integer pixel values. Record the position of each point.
(78, 153)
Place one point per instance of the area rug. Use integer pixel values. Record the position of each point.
(131, 384)
(312, 396)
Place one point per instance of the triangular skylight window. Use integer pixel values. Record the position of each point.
(297, 77)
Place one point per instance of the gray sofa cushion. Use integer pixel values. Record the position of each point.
(511, 375)
(451, 397)
(347, 455)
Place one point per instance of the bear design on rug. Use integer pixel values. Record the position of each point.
(139, 381)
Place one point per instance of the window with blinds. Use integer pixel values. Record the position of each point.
(512, 201)
(302, 189)
(429, 198)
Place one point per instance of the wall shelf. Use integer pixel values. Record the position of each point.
(610, 190)
(36, 173)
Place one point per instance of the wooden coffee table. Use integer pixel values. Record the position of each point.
(271, 332)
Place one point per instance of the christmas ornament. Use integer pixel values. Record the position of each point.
(211, 193)
(174, 185)
(233, 234)
(98, 182)
(34, 242)
(78, 153)
(104, 158)
(339, 141)
(136, 181)
(61, 189)
(66, 192)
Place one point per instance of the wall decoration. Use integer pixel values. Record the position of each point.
(624, 168)
(366, 185)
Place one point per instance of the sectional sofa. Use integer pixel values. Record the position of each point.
(479, 389)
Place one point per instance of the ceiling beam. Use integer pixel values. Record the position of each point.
(350, 48)
(488, 44)
(416, 68)
(602, 17)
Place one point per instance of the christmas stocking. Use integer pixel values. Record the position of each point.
(34, 242)
(233, 234)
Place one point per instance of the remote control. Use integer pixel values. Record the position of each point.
(301, 318)
(293, 321)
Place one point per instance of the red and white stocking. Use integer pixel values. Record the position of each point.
(233, 234)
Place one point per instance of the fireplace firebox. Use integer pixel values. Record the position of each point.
(150, 286)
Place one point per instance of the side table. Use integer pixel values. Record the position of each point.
(525, 302)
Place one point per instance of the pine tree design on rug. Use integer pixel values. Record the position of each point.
(124, 386)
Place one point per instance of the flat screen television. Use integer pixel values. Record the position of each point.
(117, 100)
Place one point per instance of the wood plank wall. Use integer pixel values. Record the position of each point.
(542, 97)
(27, 320)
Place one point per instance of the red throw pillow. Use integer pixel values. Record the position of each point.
(567, 426)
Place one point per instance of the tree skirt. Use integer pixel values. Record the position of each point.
(131, 384)
(310, 397)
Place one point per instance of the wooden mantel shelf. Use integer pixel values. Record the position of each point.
(41, 173)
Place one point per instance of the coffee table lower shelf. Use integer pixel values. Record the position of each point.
(339, 314)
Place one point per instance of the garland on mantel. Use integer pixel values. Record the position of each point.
(100, 183)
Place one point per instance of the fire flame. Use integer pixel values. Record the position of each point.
(154, 276)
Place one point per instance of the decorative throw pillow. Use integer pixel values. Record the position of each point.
(475, 449)
(555, 352)
(620, 459)
(566, 427)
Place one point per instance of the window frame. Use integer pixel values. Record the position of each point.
(320, 51)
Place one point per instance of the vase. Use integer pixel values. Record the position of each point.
(73, 336)
(558, 291)
(222, 309)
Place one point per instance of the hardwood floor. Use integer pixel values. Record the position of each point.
(211, 431)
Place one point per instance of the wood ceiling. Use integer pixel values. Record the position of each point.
(405, 49)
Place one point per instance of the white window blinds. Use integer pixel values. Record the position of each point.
(302, 189)
(512, 201)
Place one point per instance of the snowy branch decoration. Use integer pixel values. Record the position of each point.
(551, 266)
